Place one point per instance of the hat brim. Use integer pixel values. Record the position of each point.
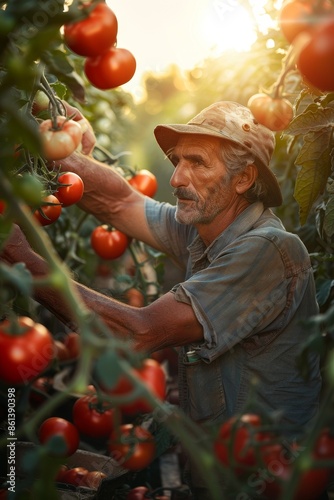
(167, 137)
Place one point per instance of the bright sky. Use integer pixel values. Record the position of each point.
(181, 32)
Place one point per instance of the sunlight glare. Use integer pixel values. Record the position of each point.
(231, 31)
(230, 26)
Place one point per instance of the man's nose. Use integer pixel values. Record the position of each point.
(179, 177)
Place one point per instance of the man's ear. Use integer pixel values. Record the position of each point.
(246, 179)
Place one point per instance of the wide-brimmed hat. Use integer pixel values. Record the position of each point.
(233, 122)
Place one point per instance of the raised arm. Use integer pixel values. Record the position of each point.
(109, 197)
(149, 328)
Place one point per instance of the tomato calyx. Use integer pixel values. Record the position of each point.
(17, 327)
(98, 404)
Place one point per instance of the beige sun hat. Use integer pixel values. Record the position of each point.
(234, 122)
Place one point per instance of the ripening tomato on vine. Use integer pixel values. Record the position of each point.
(309, 26)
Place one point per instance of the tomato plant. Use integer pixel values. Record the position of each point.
(315, 59)
(108, 243)
(238, 440)
(72, 190)
(111, 69)
(57, 426)
(60, 141)
(26, 349)
(145, 182)
(133, 447)
(93, 35)
(153, 376)
(275, 114)
(50, 210)
(93, 417)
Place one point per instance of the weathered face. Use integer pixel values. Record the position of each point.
(200, 180)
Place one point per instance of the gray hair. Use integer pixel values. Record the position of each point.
(236, 159)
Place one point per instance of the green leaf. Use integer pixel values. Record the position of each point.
(17, 276)
(328, 225)
(314, 160)
(311, 120)
(324, 287)
(108, 369)
(60, 65)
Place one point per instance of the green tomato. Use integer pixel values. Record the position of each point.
(29, 188)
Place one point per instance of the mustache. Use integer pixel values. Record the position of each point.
(184, 194)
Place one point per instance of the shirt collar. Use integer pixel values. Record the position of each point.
(243, 223)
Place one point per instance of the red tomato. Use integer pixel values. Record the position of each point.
(153, 377)
(95, 34)
(26, 350)
(294, 17)
(315, 60)
(60, 474)
(137, 493)
(93, 417)
(236, 444)
(60, 142)
(3, 206)
(56, 426)
(93, 479)
(108, 243)
(61, 351)
(279, 463)
(76, 476)
(324, 446)
(49, 211)
(72, 343)
(135, 298)
(275, 114)
(298, 16)
(133, 447)
(111, 69)
(40, 389)
(72, 191)
(145, 182)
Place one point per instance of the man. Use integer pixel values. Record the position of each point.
(237, 316)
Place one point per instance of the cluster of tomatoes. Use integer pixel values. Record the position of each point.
(69, 192)
(27, 352)
(309, 28)
(106, 66)
(131, 445)
(267, 461)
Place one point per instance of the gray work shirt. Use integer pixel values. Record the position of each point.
(250, 289)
